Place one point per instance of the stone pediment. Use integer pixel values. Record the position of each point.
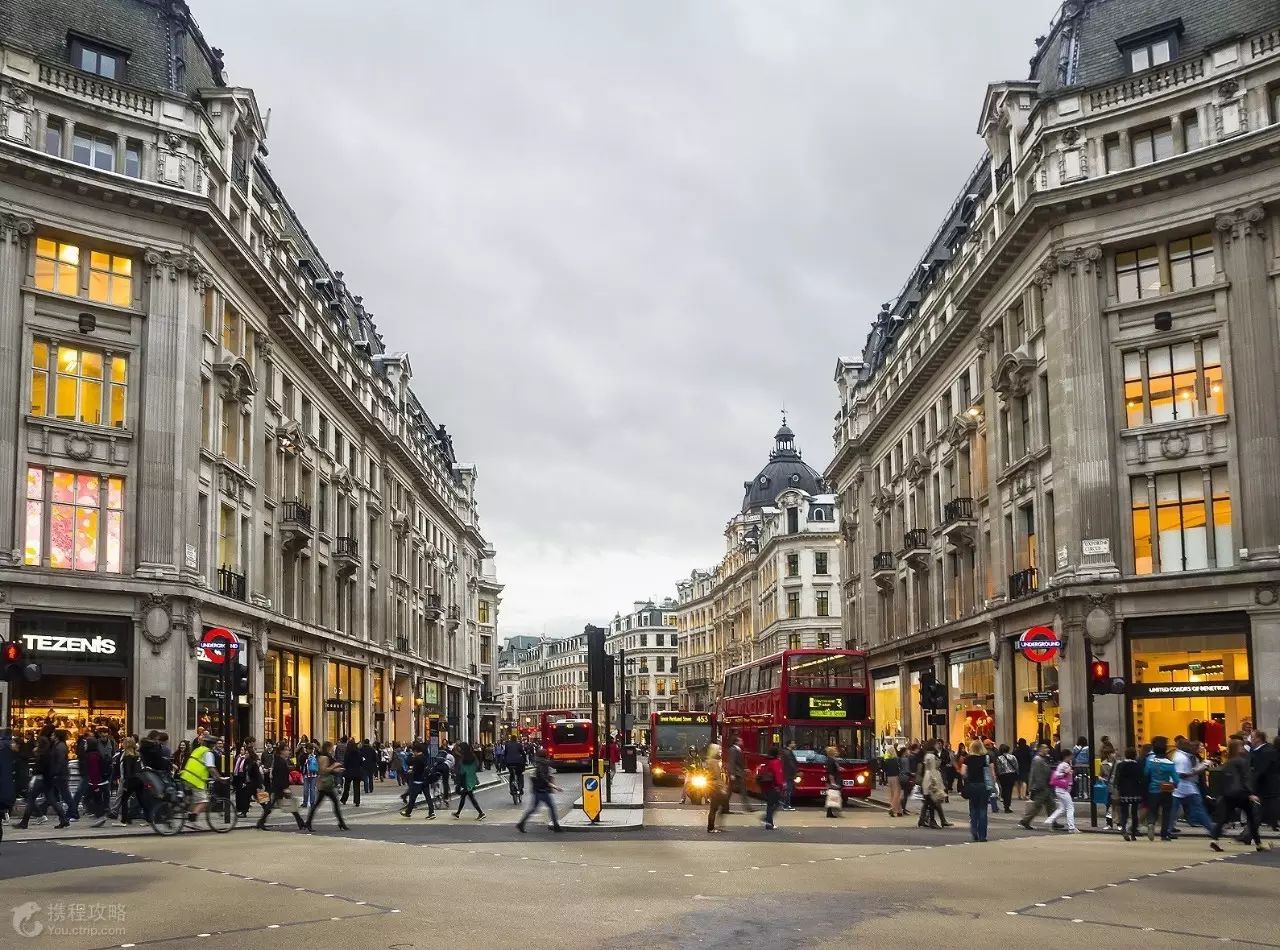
(342, 480)
(1011, 378)
(957, 432)
(917, 469)
(235, 377)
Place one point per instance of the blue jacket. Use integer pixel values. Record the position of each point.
(1157, 771)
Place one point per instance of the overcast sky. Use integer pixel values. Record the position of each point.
(617, 237)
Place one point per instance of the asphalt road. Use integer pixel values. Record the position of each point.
(815, 882)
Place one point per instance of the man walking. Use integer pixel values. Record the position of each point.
(1186, 795)
(1041, 795)
(790, 769)
(736, 768)
(542, 789)
(353, 771)
(418, 782)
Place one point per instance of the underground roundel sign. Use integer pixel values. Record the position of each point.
(217, 643)
(1039, 644)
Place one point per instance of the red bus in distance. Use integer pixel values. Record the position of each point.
(815, 698)
(672, 737)
(568, 739)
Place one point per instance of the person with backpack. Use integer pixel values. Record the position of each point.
(418, 782)
(543, 787)
(1062, 780)
(310, 769)
(1006, 776)
(327, 773)
(468, 765)
(769, 778)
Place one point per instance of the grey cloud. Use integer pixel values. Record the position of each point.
(615, 237)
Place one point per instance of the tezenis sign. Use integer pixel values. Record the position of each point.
(44, 643)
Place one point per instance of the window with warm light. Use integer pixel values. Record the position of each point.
(57, 267)
(1175, 382)
(483, 612)
(1191, 515)
(86, 386)
(110, 278)
(75, 520)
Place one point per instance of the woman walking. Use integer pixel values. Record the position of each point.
(247, 777)
(1161, 779)
(43, 788)
(933, 789)
(1126, 791)
(468, 767)
(892, 768)
(718, 795)
(1239, 791)
(772, 768)
(277, 777)
(327, 772)
(130, 779)
(979, 777)
(1007, 776)
(1061, 780)
(307, 765)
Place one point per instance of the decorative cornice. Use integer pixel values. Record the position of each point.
(1080, 261)
(174, 262)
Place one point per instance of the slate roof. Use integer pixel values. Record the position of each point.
(785, 469)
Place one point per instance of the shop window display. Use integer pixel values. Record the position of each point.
(1039, 709)
(887, 697)
(971, 684)
(1191, 685)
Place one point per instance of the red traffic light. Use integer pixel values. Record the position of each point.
(1099, 671)
(12, 652)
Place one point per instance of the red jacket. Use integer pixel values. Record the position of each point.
(774, 766)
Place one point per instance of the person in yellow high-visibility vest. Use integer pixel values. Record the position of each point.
(199, 770)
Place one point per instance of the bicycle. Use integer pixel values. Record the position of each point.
(515, 783)
(170, 813)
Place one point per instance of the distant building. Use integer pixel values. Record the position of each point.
(644, 640)
(778, 585)
(553, 676)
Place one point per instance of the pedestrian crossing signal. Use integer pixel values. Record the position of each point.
(14, 665)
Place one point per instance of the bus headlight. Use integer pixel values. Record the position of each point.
(698, 782)
(861, 778)
(659, 771)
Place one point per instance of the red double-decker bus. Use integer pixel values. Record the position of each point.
(814, 698)
(673, 737)
(567, 738)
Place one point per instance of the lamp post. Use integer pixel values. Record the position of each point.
(629, 664)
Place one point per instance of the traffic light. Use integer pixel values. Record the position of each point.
(15, 665)
(240, 680)
(933, 695)
(1101, 682)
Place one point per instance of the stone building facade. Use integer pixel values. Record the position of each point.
(204, 427)
(644, 640)
(777, 586)
(553, 677)
(1068, 418)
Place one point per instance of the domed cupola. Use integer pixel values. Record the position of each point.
(785, 469)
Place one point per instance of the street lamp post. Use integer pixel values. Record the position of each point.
(629, 664)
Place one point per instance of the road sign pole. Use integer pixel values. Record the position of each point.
(1088, 690)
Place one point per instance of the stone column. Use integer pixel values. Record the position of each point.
(1085, 475)
(1255, 352)
(163, 511)
(1265, 662)
(996, 563)
(15, 241)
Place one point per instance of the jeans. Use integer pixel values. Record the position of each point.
(416, 789)
(48, 796)
(771, 799)
(62, 785)
(1006, 789)
(1066, 808)
(977, 811)
(1160, 808)
(308, 790)
(788, 789)
(542, 797)
(368, 784)
(1193, 807)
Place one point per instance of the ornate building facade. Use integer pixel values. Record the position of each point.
(644, 641)
(777, 586)
(205, 428)
(1068, 417)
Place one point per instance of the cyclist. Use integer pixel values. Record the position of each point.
(200, 769)
(513, 758)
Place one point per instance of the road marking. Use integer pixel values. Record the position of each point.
(273, 926)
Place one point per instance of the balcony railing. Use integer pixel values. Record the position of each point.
(230, 583)
(454, 612)
(916, 539)
(433, 601)
(99, 91)
(957, 509)
(1024, 583)
(347, 547)
(402, 644)
(297, 512)
(474, 669)
(240, 173)
(884, 561)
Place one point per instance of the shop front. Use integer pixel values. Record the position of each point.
(379, 710)
(971, 693)
(453, 714)
(1037, 698)
(343, 701)
(86, 666)
(1189, 676)
(286, 695)
(886, 701)
(431, 710)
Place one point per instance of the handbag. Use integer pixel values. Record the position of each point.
(834, 798)
(1167, 787)
(261, 797)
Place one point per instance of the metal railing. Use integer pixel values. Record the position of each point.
(433, 601)
(296, 511)
(1024, 583)
(230, 583)
(454, 612)
(957, 509)
(347, 547)
(884, 561)
(402, 644)
(240, 173)
(1003, 171)
(915, 539)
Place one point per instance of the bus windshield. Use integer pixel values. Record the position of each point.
(676, 739)
(570, 730)
(852, 744)
(840, 672)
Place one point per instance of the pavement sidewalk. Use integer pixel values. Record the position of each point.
(383, 800)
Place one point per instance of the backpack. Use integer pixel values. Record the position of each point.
(1062, 778)
(313, 766)
(1006, 765)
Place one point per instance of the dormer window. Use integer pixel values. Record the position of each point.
(1151, 47)
(98, 58)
